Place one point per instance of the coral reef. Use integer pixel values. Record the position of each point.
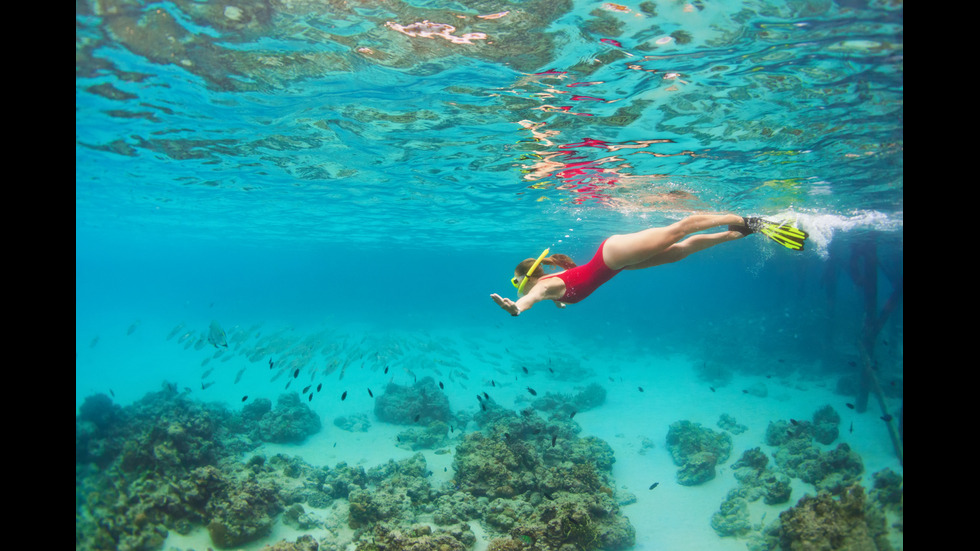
(396, 490)
(732, 518)
(798, 457)
(302, 543)
(290, 422)
(826, 425)
(830, 470)
(839, 517)
(544, 484)
(96, 418)
(756, 480)
(240, 510)
(847, 523)
(433, 435)
(589, 397)
(423, 402)
(728, 423)
(169, 463)
(417, 538)
(697, 451)
(825, 428)
(156, 471)
(888, 489)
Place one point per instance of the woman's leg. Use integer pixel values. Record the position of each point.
(631, 249)
(693, 244)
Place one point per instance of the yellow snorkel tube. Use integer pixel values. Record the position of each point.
(519, 282)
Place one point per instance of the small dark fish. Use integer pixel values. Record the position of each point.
(712, 388)
(485, 395)
(343, 396)
(386, 370)
(440, 385)
(111, 393)
(306, 389)
(794, 421)
(398, 438)
(245, 397)
(319, 386)
(479, 398)
(296, 373)
(572, 415)
(551, 370)
(849, 405)
(886, 417)
(524, 368)
(310, 399)
(852, 427)
(445, 469)
(654, 485)
(483, 406)
(452, 429)
(745, 391)
(270, 363)
(506, 436)
(495, 384)
(553, 440)
(641, 388)
(532, 391)
(417, 417)
(371, 394)
(335, 444)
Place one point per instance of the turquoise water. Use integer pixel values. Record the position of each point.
(346, 183)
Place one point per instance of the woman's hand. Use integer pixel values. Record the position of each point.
(506, 304)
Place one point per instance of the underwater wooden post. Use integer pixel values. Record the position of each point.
(871, 379)
(864, 274)
(866, 277)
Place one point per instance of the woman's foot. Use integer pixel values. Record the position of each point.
(748, 225)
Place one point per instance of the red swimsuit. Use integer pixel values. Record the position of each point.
(581, 281)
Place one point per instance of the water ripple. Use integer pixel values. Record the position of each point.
(365, 115)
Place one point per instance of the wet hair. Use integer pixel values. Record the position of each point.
(553, 260)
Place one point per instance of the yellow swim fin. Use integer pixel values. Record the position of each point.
(783, 233)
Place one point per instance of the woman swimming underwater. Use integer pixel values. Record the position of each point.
(633, 251)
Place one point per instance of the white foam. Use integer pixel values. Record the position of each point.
(822, 227)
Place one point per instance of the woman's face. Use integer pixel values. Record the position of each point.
(527, 286)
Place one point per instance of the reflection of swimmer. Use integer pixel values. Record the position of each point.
(634, 251)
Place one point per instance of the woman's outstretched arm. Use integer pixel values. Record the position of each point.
(537, 293)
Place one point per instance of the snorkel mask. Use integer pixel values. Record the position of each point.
(519, 282)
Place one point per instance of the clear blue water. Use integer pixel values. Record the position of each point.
(310, 166)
